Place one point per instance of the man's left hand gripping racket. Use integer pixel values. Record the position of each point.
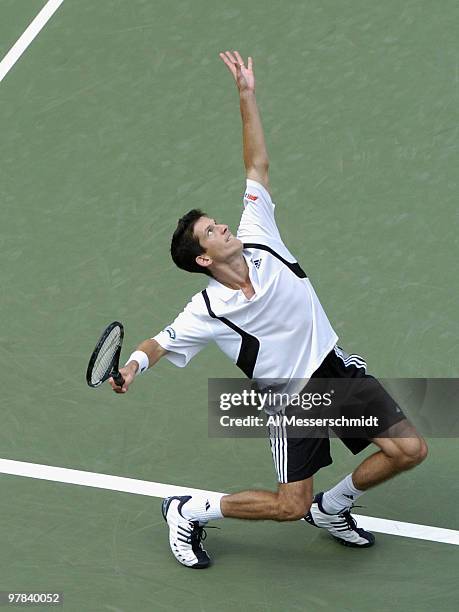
(105, 358)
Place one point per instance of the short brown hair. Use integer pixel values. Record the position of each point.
(185, 246)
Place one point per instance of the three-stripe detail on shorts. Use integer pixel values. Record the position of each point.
(350, 360)
(278, 441)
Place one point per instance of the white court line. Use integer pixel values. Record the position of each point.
(157, 489)
(27, 37)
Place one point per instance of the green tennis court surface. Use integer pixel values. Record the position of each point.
(118, 118)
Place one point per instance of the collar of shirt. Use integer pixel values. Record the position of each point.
(226, 293)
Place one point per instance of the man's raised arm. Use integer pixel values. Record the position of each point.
(255, 155)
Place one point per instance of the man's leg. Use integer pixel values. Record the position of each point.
(296, 460)
(290, 502)
(331, 510)
(401, 447)
(187, 515)
(399, 453)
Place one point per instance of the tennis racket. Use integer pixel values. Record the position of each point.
(105, 358)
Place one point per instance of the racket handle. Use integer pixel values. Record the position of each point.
(118, 378)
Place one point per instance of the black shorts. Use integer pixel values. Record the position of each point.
(297, 458)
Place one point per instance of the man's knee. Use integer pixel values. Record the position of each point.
(293, 509)
(411, 452)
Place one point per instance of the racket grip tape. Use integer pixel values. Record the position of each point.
(118, 378)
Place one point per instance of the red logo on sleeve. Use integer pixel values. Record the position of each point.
(249, 196)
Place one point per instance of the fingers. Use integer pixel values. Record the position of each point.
(239, 59)
(231, 57)
(234, 61)
(230, 63)
(250, 63)
(116, 388)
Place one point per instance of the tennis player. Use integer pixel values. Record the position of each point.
(262, 311)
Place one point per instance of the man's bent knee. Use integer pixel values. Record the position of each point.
(404, 446)
(293, 510)
(423, 451)
(294, 500)
(411, 452)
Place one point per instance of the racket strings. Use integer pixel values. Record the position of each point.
(104, 361)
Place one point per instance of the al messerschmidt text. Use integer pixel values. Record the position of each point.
(294, 421)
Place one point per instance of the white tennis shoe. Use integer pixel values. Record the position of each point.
(185, 535)
(342, 526)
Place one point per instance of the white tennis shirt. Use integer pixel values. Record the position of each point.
(282, 332)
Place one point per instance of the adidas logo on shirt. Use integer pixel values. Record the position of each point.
(256, 263)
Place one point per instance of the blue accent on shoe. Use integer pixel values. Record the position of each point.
(318, 500)
(167, 502)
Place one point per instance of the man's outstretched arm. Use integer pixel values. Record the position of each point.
(254, 148)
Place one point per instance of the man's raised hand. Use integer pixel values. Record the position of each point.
(244, 77)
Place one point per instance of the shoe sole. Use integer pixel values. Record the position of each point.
(353, 545)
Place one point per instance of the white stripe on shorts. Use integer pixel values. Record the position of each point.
(278, 443)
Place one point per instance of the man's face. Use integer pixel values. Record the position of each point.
(217, 240)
